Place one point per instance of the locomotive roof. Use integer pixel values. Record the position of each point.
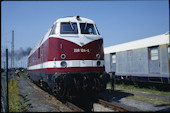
(147, 42)
(74, 19)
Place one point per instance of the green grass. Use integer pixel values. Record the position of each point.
(14, 98)
(108, 84)
(17, 101)
(24, 74)
(151, 90)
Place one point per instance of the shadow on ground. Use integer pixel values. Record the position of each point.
(165, 109)
(115, 95)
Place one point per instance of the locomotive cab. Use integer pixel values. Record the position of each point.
(74, 26)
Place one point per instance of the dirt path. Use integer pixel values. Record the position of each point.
(39, 99)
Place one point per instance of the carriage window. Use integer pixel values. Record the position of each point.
(154, 53)
(29, 60)
(87, 28)
(113, 58)
(35, 56)
(169, 51)
(68, 28)
(38, 52)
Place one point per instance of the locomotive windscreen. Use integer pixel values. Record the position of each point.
(87, 28)
(69, 28)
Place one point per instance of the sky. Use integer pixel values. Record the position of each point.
(117, 21)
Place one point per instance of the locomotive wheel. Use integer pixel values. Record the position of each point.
(60, 90)
(46, 87)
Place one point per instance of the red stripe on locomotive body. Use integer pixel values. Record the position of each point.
(53, 48)
(70, 69)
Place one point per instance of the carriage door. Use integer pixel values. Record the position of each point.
(154, 60)
(41, 56)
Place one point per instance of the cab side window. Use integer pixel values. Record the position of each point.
(53, 30)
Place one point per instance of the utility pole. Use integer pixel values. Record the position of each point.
(7, 80)
(4, 65)
(12, 50)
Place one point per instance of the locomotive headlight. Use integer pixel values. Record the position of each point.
(63, 56)
(63, 64)
(97, 56)
(98, 63)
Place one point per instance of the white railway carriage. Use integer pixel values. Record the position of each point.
(145, 60)
(69, 59)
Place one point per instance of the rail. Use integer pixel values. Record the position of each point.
(112, 106)
(74, 107)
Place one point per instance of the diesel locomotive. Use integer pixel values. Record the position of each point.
(69, 59)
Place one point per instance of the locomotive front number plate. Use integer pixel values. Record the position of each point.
(81, 50)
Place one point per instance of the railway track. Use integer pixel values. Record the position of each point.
(75, 108)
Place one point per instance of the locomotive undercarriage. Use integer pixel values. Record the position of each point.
(71, 85)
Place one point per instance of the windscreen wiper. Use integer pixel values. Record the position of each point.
(71, 26)
(85, 26)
